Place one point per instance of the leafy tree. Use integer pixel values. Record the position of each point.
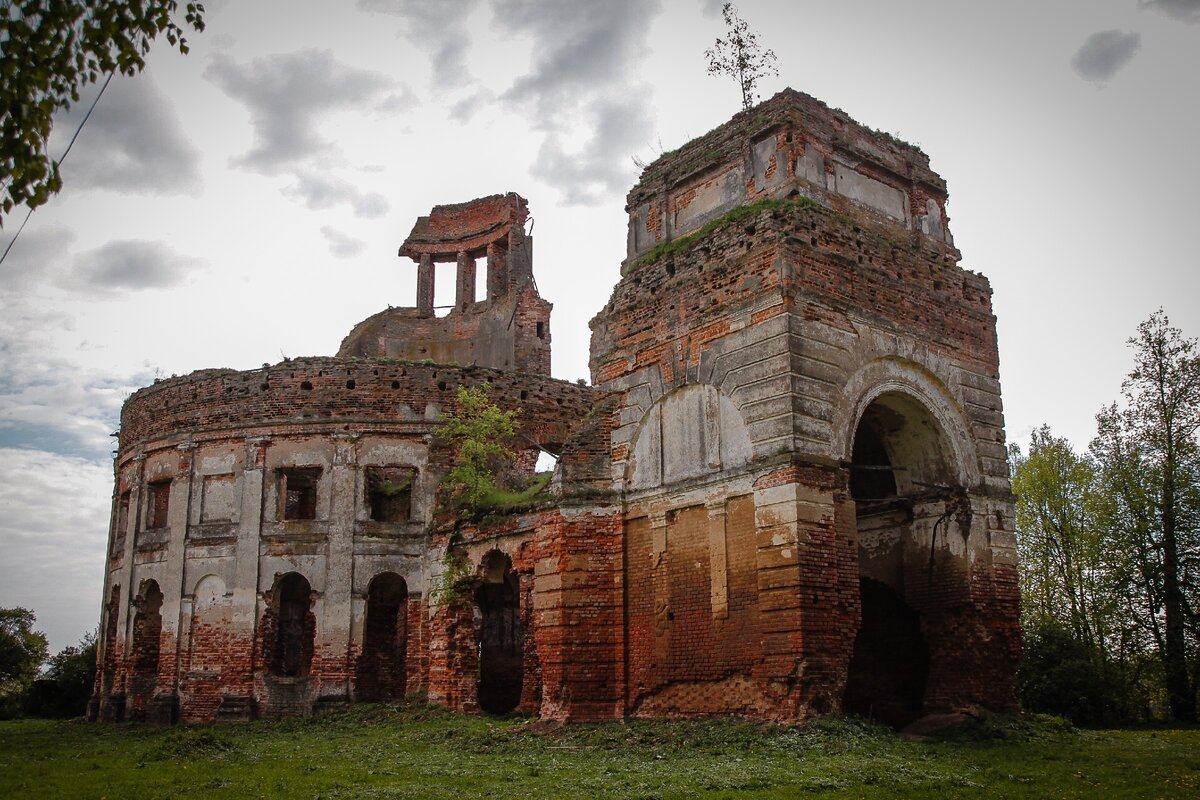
(1150, 456)
(480, 432)
(50, 50)
(66, 684)
(1060, 515)
(22, 651)
(740, 56)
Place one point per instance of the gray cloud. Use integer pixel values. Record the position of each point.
(47, 401)
(133, 141)
(583, 80)
(287, 94)
(1103, 55)
(1182, 10)
(130, 264)
(577, 46)
(711, 8)
(318, 191)
(38, 254)
(341, 244)
(601, 166)
(438, 27)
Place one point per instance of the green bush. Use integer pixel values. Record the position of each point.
(1060, 675)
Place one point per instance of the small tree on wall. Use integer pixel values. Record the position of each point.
(740, 56)
(480, 432)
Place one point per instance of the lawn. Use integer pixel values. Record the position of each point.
(417, 752)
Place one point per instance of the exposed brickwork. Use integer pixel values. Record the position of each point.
(785, 495)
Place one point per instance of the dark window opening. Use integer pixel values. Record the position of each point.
(389, 493)
(298, 488)
(501, 642)
(160, 501)
(871, 476)
(118, 539)
(294, 629)
(382, 673)
(541, 330)
(147, 632)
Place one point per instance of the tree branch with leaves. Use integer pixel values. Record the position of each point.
(740, 56)
(49, 51)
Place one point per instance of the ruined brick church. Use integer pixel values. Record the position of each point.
(784, 494)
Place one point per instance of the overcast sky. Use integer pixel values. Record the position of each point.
(245, 202)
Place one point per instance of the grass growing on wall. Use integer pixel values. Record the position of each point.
(419, 752)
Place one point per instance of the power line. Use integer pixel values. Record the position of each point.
(66, 152)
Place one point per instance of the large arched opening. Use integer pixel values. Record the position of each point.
(501, 640)
(902, 480)
(294, 628)
(147, 633)
(382, 673)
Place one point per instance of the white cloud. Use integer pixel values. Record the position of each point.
(341, 244)
(53, 533)
(319, 191)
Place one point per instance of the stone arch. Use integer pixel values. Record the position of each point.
(915, 384)
(145, 643)
(209, 625)
(381, 672)
(687, 433)
(501, 644)
(291, 627)
(907, 480)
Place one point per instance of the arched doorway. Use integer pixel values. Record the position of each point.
(901, 480)
(294, 628)
(501, 640)
(147, 631)
(381, 667)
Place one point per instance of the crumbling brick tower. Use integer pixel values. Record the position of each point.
(810, 444)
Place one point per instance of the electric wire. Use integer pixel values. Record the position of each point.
(66, 152)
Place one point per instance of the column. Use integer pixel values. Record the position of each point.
(334, 629)
(718, 559)
(497, 271)
(425, 270)
(465, 285)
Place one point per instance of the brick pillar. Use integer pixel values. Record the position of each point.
(465, 285)
(718, 561)
(171, 583)
(497, 270)
(578, 614)
(333, 648)
(243, 614)
(425, 270)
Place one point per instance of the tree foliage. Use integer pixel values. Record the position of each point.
(49, 50)
(66, 684)
(1150, 456)
(480, 432)
(22, 651)
(1110, 543)
(740, 56)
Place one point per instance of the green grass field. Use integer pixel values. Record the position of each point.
(416, 752)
